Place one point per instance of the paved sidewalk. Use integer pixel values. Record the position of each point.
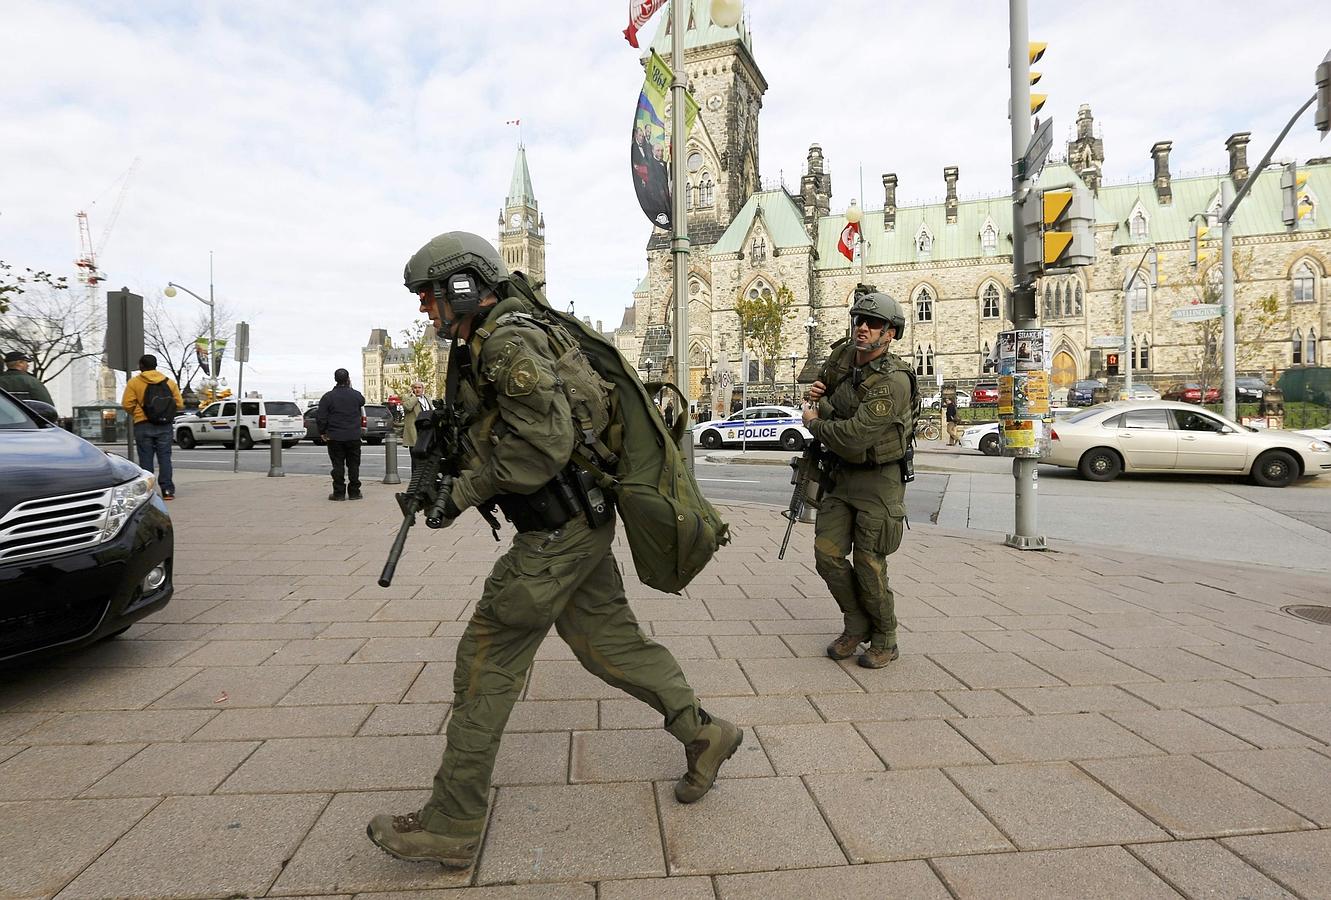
(1066, 724)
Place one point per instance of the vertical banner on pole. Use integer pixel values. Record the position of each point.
(650, 152)
(242, 357)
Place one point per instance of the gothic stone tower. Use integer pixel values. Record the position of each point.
(521, 225)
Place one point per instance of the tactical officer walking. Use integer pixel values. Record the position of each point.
(862, 409)
(560, 569)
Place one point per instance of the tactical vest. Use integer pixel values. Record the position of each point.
(845, 395)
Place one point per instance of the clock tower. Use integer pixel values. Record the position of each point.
(521, 225)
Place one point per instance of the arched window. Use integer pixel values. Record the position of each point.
(1058, 301)
(760, 288)
(688, 195)
(989, 239)
(758, 252)
(919, 360)
(1076, 305)
(1142, 355)
(924, 242)
(924, 306)
(1137, 294)
(1310, 351)
(929, 361)
(1048, 302)
(1305, 283)
(1138, 226)
(705, 190)
(987, 362)
(1297, 341)
(990, 305)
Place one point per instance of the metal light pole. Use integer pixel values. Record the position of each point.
(172, 287)
(679, 243)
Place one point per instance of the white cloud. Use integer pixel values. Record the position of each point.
(315, 147)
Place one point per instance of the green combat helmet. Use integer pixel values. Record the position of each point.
(880, 306)
(457, 266)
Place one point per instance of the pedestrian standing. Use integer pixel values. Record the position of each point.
(17, 379)
(339, 418)
(153, 400)
(560, 570)
(416, 404)
(953, 422)
(864, 410)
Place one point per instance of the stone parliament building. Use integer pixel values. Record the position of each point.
(948, 263)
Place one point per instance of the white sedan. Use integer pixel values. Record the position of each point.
(1162, 436)
(963, 400)
(985, 437)
(1321, 434)
(757, 425)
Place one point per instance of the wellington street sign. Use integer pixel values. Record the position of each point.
(1197, 313)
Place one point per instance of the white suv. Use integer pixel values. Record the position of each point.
(260, 420)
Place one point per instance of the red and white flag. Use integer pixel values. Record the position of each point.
(847, 243)
(639, 12)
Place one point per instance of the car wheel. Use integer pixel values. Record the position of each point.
(1275, 468)
(185, 438)
(711, 439)
(1100, 464)
(792, 440)
(989, 445)
(246, 442)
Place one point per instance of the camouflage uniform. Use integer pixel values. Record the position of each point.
(864, 420)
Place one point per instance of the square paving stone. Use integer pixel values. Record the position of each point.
(407, 649)
(341, 629)
(924, 744)
(1205, 869)
(718, 835)
(433, 685)
(912, 880)
(1301, 861)
(716, 677)
(284, 722)
(163, 770)
(629, 755)
(337, 856)
(48, 842)
(407, 718)
(1085, 667)
(817, 749)
(1254, 727)
(1161, 636)
(1292, 690)
(354, 683)
(126, 652)
(14, 724)
(563, 680)
(105, 689)
(1043, 806)
(1310, 718)
(1190, 799)
(246, 611)
(314, 651)
(337, 764)
(121, 726)
(46, 773)
(912, 672)
(993, 670)
(1258, 662)
(762, 710)
(1177, 731)
(537, 757)
(553, 715)
(233, 686)
(681, 646)
(232, 653)
(679, 888)
(881, 707)
(1047, 738)
(798, 676)
(928, 816)
(750, 646)
(981, 704)
(1297, 778)
(578, 832)
(202, 847)
(1172, 664)
(628, 714)
(1077, 699)
(1106, 873)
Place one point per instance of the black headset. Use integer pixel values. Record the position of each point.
(462, 291)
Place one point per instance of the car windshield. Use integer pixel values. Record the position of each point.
(12, 416)
(282, 408)
(376, 410)
(1086, 414)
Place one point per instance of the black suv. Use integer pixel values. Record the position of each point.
(85, 540)
(378, 422)
(1249, 389)
(1082, 393)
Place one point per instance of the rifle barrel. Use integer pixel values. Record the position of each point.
(390, 565)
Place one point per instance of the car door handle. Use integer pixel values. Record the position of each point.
(1188, 437)
(1125, 434)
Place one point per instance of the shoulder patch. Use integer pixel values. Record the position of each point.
(879, 401)
(522, 378)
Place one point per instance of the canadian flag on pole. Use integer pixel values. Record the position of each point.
(847, 243)
(639, 12)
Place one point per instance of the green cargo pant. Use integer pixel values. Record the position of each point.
(568, 578)
(862, 517)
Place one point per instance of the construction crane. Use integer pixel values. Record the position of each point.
(88, 273)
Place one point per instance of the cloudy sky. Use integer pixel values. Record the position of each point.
(314, 146)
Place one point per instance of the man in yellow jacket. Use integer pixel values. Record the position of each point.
(153, 400)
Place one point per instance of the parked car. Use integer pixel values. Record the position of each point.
(1166, 436)
(86, 543)
(985, 438)
(1321, 434)
(312, 425)
(1249, 389)
(1139, 391)
(260, 421)
(1190, 392)
(985, 394)
(757, 425)
(934, 402)
(1082, 393)
(376, 423)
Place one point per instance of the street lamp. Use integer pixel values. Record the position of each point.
(725, 13)
(172, 287)
(794, 378)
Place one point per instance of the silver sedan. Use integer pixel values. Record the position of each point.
(1162, 436)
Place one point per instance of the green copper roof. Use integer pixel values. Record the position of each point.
(700, 32)
(519, 189)
(781, 218)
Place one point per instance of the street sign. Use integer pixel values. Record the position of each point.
(1198, 313)
(1108, 341)
(1037, 151)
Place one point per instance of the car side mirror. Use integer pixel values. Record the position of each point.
(45, 410)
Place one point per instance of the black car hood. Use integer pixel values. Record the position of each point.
(47, 461)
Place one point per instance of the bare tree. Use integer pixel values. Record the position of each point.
(48, 321)
(173, 345)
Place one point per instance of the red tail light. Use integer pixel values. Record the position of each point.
(1053, 435)
(263, 422)
(362, 422)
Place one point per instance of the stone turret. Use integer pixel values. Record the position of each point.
(1086, 153)
(890, 201)
(1160, 154)
(815, 191)
(1237, 145)
(950, 176)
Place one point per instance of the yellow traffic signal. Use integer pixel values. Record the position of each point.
(1035, 50)
(1057, 226)
(1037, 102)
(1055, 242)
(1036, 76)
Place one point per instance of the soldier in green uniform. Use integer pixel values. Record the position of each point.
(560, 570)
(862, 409)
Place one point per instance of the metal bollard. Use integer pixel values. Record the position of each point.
(390, 458)
(275, 458)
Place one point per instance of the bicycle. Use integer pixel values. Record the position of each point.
(927, 429)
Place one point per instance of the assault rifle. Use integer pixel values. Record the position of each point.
(807, 474)
(440, 443)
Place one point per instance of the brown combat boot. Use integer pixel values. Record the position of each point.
(877, 657)
(715, 744)
(406, 838)
(845, 646)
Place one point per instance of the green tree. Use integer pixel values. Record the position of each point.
(45, 319)
(14, 285)
(763, 319)
(422, 345)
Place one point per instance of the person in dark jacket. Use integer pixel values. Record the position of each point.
(339, 419)
(17, 379)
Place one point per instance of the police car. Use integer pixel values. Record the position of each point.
(756, 425)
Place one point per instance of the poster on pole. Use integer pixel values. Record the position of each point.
(1023, 391)
(650, 152)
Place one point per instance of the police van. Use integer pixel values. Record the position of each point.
(758, 426)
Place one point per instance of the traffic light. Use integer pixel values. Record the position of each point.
(1056, 227)
(1035, 50)
(1199, 232)
(1323, 112)
(1111, 363)
(1295, 203)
